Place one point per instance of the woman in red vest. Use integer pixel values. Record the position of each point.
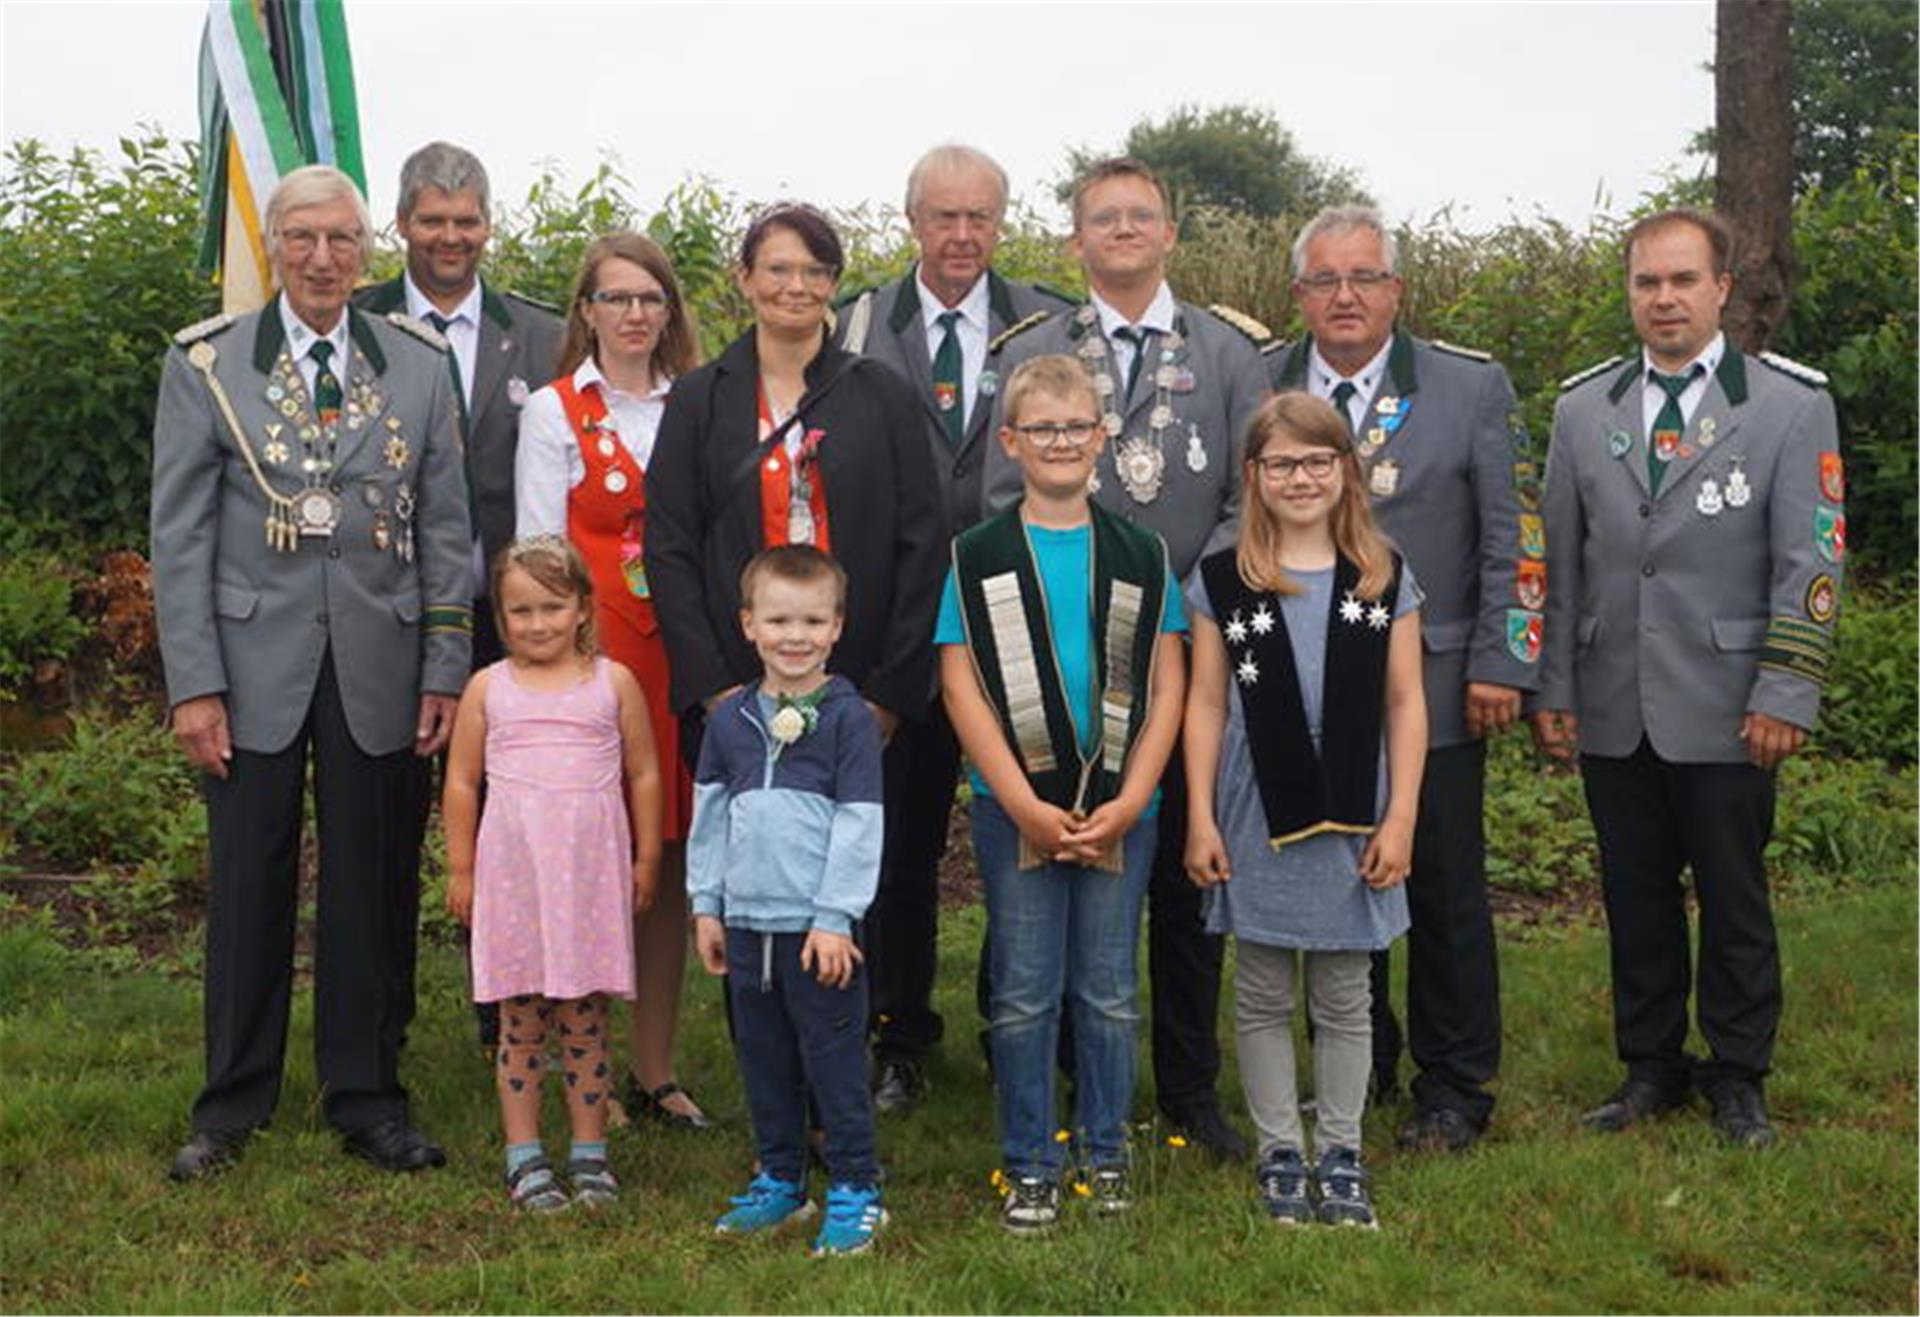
(585, 442)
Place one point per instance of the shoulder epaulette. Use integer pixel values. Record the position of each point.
(424, 332)
(1587, 374)
(1065, 299)
(1788, 366)
(1008, 334)
(1277, 345)
(1454, 349)
(1240, 320)
(854, 294)
(859, 321)
(533, 302)
(202, 329)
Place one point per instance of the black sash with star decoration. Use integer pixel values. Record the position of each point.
(1305, 790)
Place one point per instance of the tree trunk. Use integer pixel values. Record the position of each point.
(1753, 186)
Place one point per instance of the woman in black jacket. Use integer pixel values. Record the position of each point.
(784, 438)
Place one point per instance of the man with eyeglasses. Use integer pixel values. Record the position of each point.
(932, 325)
(310, 567)
(501, 347)
(1452, 478)
(1696, 528)
(1177, 385)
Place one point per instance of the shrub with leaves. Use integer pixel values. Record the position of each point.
(36, 617)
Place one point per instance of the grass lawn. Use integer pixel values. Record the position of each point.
(98, 1065)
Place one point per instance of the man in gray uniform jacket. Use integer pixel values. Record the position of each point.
(933, 326)
(310, 551)
(1695, 533)
(1453, 481)
(1177, 386)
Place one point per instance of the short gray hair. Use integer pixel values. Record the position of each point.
(950, 157)
(1335, 221)
(447, 167)
(315, 185)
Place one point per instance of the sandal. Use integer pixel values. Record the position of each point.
(652, 1104)
(594, 1184)
(533, 1187)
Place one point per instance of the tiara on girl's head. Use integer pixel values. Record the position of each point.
(544, 540)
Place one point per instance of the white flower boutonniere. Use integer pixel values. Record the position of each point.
(787, 725)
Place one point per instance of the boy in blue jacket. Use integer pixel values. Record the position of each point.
(782, 859)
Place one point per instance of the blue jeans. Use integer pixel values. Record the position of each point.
(797, 1040)
(1061, 930)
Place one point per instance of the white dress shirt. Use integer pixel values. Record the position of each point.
(548, 464)
(463, 328)
(1322, 379)
(300, 340)
(971, 329)
(1158, 317)
(1653, 397)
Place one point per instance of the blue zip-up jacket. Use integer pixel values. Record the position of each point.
(787, 838)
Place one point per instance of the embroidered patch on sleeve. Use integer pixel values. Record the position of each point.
(1524, 631)
(1833, 478)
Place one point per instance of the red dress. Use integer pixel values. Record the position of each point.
(607, 521)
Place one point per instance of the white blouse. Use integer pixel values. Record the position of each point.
(547, 463)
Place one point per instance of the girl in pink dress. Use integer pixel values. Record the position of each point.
(567, 853)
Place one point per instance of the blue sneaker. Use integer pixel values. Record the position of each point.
(766, 1205)
(854, 1216)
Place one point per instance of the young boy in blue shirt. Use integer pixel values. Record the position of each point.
(782, 860)
(1063, 673)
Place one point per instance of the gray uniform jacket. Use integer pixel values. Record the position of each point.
(519, 347)
(1675, 614)
(887, 323)
(252, 622)
(1453, 481)
(1220, 382)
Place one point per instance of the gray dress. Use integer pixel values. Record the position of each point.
(1307, 895)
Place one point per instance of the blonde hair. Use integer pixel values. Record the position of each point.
(555, 565)
(1304, 419)
(1054, 375)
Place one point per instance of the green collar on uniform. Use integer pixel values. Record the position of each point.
(392, 296)
(1293, 371)
(906, 302)
(270, 336)
(1732, 376)
(494, 307)
(360, 329)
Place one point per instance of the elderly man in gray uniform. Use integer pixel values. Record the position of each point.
(1452, 480)
(932, 325)
(502, 347)
(1177, 385)
(1695, 532)
(310, 556)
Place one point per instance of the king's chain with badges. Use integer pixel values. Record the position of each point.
(285, 521)
(1140, 459)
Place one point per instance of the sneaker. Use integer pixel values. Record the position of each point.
(766, 1205)
(1112, 1191)
(533, 1187)
(593, 1181)
(1032, 1204)
(1283, 1187)
(1342, 1183)
(854, 1217)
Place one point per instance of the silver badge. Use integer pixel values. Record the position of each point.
(606, 446)
(316, 512)
(616, 482)
(1196, 450)
(1708, 503)
(1142, 466)
(1384, 478)
(1739, 492)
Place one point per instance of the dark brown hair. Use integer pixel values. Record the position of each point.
(1312, 421)
(814, 230)
(802, 564)
(679, 350)
(1719, 234)
(1124, 166)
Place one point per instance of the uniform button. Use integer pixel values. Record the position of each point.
(334, 552)
(335, 487)
(1647, 570)
(1646, 509)
(320, 619)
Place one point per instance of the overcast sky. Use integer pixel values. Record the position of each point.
(1497, 108)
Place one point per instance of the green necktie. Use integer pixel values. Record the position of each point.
(946, 379)
(326, 385)
(1670, 421)
(1342, 395)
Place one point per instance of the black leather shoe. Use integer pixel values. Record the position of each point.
(206, 1154)
(1209, 1129)
(898, 1086)
(1633, 1101)
(1740, 1114)
(1439, 1129)
(394, 1145)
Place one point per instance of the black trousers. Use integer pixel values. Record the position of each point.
(1653, 818)
(1183, 965)
(902, 925)
(365, 807)
(1453, 965)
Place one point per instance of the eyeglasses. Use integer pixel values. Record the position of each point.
(340, 243)
(1327, 283)
(1049, 435)
(1140, 217)
(624, 302)
(1281, 469)
(813, 275)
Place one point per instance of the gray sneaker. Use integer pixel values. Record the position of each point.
(1342, 1183)
(1112, 1190)
(1032, 1205)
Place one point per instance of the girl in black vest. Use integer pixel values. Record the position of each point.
(1306, 665)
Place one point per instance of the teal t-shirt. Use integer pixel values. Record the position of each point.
(1062, 557)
